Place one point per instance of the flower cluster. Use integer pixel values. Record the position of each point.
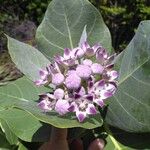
(82, 79)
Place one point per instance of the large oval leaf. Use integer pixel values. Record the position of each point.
(127, 140)
(53, 118)
(21, 94)
(21, 123)
(27, 58)
(129, 109)
(10, 136)
(64, 22)
(4, 144)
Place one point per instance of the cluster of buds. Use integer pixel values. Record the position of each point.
(82, 79)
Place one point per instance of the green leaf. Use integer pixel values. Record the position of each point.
(53, 118)
(130, 140)
(10, 136)
(21, 123)
(129, 109)
(28, 59)
(112, 144)
(64, 22)
(22, 147)
(4, 144)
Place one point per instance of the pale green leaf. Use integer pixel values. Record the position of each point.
(64, 22)
(129, 109)
(10, 136)
(21, 123)
(27, 58)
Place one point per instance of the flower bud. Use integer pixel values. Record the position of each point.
(83, 71)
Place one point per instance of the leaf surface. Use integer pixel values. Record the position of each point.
(27, 58)
(129, 109)
(21, 123)
(64, 22)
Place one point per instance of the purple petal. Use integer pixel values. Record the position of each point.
(81, 91)
(110, 66)
(113, 75)
(89, 52)
(96, 47)
(72, 107)
(43, 74)
(105, 94)
(59, 59)
(100, 84)
(111, 58)
(85, 45)
(40, 82)
(79, 53)
(110, 86)
(67, 53)
(77, 96)
(51, 96)
(70, 62)
(89, 97)
(99, 102)
(44, 105)
(101, 55)
(81, 115)
(91, 109)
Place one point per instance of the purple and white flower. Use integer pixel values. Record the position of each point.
(80, 84)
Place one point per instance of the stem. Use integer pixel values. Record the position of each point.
(110, 134)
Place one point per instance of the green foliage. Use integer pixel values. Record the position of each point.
(118, 15)
(132, 97)
(122, 18)
(57, 32)
(128, 109)
(32, 60)
(29, 60)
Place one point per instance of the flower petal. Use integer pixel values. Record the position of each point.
(79, 53)
(45, 105)
(81, 115)
(99, 102)
(91, 109)
(67, 52)
(96, 47)
(89, 52)
(43, 74)
(113, 74)
(40, 82)
(106, 94)
(85, 45)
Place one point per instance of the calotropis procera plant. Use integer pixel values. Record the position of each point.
(82, 79)
(62, 26)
